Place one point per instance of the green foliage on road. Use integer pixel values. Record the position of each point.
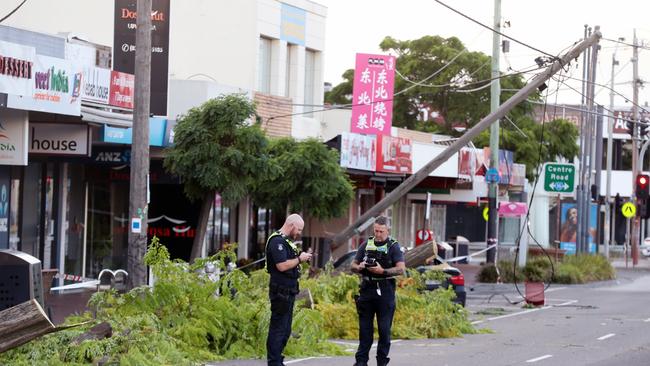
(574, 269)
(181, 320)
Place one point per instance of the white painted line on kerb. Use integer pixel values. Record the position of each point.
(539, 358)
(610, 335)
(523, 312)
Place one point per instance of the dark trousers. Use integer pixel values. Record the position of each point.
(280, 326)
(370, 304)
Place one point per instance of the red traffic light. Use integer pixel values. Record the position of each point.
(641, 190)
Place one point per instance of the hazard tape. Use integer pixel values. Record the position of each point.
(458, 259)
(71, 277)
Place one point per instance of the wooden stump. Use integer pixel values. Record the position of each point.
(22, 323)
(419, 255)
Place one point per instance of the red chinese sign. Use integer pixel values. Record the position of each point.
(372, 97)
(394, 155)
(122, 89)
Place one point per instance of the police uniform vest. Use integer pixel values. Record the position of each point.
(292, 252)
(381, 254)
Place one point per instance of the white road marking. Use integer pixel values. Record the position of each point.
(523, 312)
(539, 358)
(647, 320)
(610, 335)
(303, 359)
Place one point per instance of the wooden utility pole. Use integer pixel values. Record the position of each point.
(139, 187)
(413, 180)
(492, 237)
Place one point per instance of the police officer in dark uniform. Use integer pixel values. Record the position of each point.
(282, 261)
(379, 260)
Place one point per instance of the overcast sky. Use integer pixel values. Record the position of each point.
(551, 25)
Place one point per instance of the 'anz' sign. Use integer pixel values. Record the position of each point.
(119, 157)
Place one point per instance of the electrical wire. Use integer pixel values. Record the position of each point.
(494, 30)
(625, 43)
(348, 106)
(606, 87)
(13, 11)
(532, 197)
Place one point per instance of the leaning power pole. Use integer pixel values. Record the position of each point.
(139, 185)
(495, 95)
(364, 220)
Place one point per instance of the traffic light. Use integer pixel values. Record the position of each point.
(643, 130)
(641, 191)
(629, 127)
(644, 209)
(594, 192)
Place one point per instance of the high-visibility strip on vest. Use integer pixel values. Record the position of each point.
(292, 245)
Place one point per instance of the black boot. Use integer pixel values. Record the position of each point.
(360, 364)
(383, 362)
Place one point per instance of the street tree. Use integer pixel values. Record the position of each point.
(217, 150)
(311, 180)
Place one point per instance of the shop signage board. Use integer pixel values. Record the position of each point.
(56, 88)
(13, 137)
(119, 135)
(59, 139)
(358, 151)
(124, 47)
(16, 69)
(292, 24)
(96, 85)
(122, 89)
(372, 96)
(394, 155)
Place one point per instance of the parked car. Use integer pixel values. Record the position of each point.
(453, 276)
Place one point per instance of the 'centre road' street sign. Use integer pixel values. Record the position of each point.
(559, 178)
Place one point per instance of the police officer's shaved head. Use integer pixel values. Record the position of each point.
(293, 226)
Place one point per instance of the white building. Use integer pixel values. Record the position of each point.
(215, 46)
(268, 49)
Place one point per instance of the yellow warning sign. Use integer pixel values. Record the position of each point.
(486, 212)
(628, 209)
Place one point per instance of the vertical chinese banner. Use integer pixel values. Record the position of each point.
(372, 97)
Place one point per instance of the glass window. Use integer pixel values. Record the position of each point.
(310, 69)
(264, 66)
(75, 208)
(287, 85)
(108, 220)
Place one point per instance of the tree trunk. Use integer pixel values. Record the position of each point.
(419, 255)
(22, 323)
(202, 225)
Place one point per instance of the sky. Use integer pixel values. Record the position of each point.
(551, 26)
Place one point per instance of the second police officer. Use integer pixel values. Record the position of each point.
(379, 261)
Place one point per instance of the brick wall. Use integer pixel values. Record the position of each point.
(269, 106)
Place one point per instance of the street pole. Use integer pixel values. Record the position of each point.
(495, 95)
(635, 163)
(356, 227)
(583, 150)
(590, 147)
(608, 184)
(139, 184)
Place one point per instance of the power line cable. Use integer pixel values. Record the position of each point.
(494, 30)
(13, 11)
